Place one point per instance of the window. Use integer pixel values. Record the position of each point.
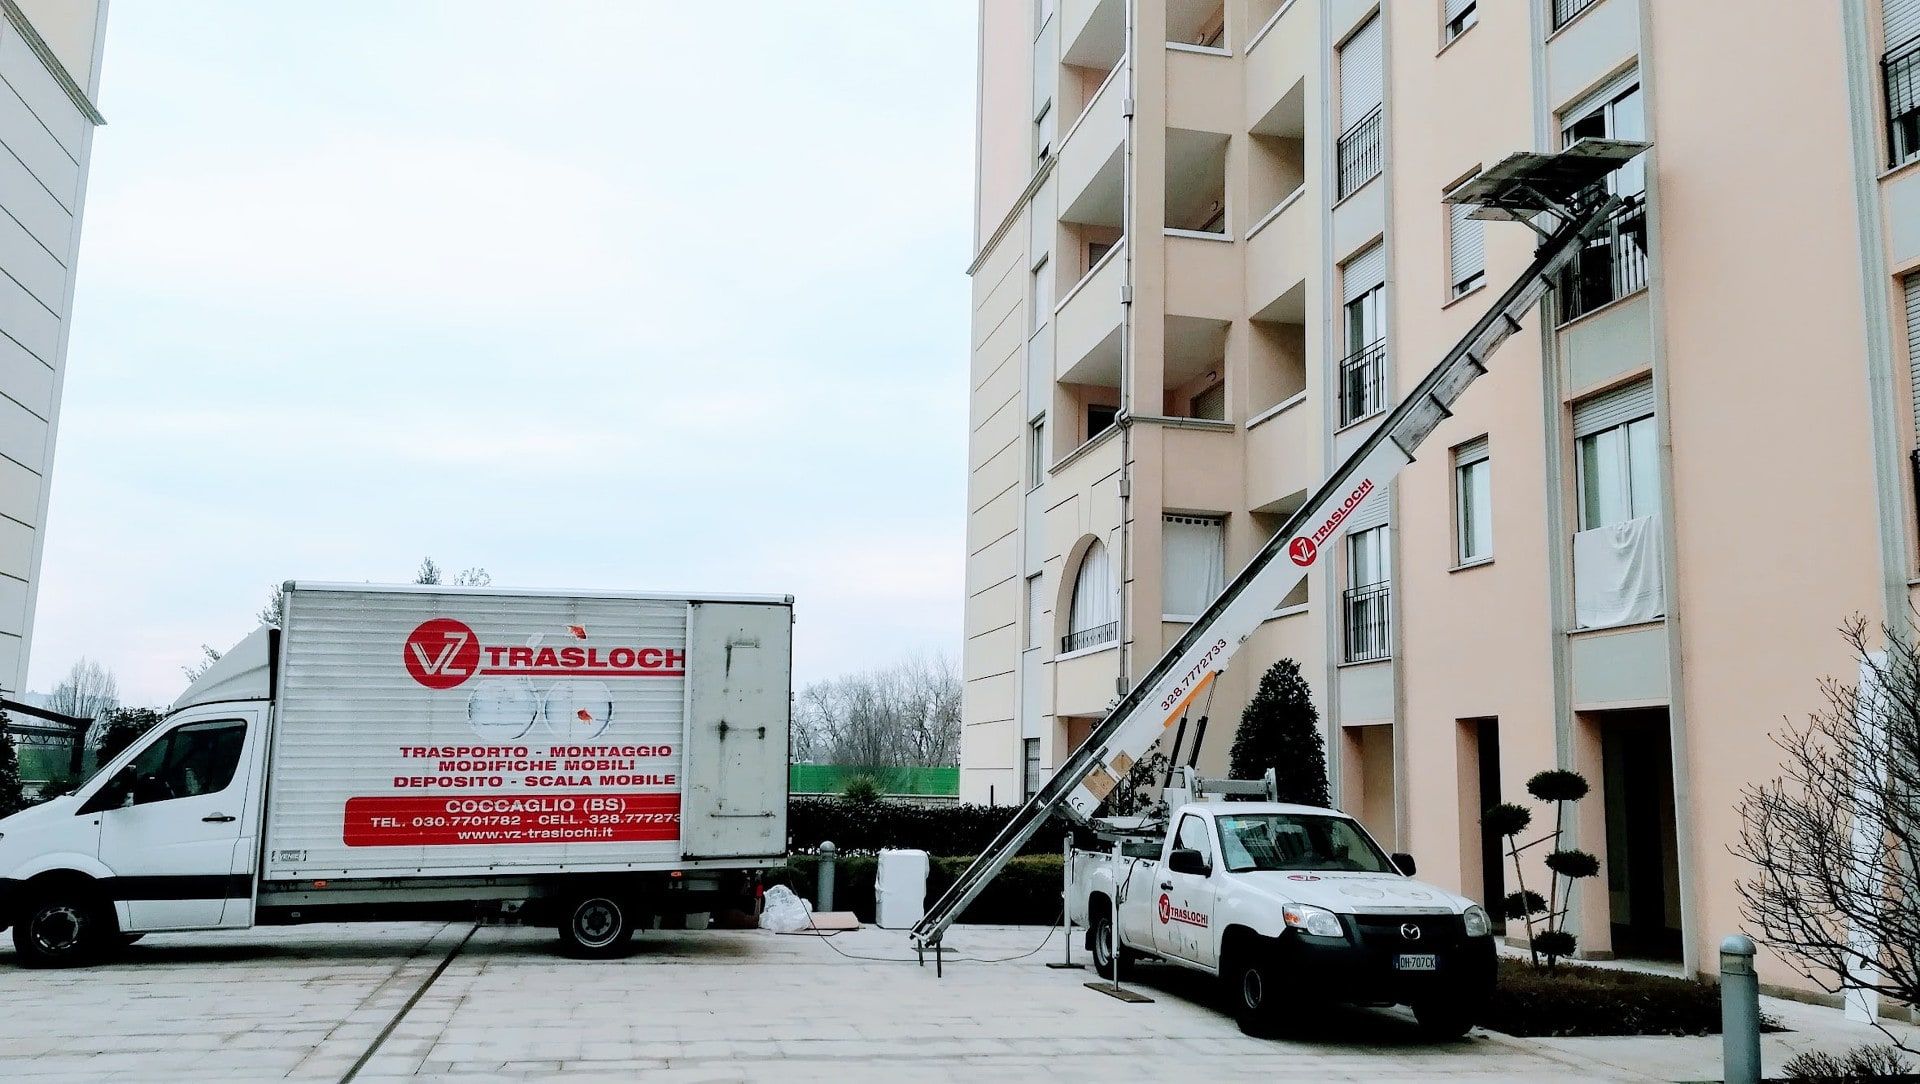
(1910, 286)
(1298, 841)
(1036, 613)
(1619, 474)
(1369, 596)
(1472, 502)
(1097, 251)
(1192, 564)
(1210, 404)
(1030, 760)
(1195, 837)
(1091, 621)
(1900, 73)
(1614, 113)
(1565, 10)
(1037, 452)
(1466, 247)
(1042, 303)
(195, 759)
(1363, 387)
(1358, 153)
(1100, 419)
(1611, 263)
(1043, 134)
(1460, 17)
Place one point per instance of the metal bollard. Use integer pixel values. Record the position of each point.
(1739, 1012)
(825, 895)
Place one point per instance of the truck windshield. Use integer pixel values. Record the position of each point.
(1298, 841)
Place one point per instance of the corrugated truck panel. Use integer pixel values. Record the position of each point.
(464, 733)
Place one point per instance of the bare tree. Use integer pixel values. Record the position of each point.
(1835, 838)
(87, 692)
(430, 572)
(208, 656)
(904, 715)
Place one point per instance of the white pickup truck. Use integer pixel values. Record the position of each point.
(1293, 907)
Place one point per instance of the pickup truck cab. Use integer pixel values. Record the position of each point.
(1292, 907)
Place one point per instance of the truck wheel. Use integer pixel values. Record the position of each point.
(64, 927)
(596, 926)
(1254, 985)
(1445, 1018)
(1101, 946)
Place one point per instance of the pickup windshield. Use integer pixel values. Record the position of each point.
(1298, 841)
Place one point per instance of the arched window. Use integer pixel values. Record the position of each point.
(1091, 618)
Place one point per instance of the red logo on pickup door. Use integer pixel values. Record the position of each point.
(1170, 913)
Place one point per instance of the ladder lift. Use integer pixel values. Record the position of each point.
(1572, 193)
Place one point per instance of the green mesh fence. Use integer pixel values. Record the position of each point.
(833, 778)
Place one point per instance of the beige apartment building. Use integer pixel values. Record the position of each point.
(49, 78)
(1212, 251)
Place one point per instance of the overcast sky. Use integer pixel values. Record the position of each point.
(614, 295)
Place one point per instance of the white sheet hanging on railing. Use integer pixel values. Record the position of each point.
(1616, 574)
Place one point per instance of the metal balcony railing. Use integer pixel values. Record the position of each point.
(1093, 637)
(1358, 153)
(1565, 10)
(1363, 382)
(1609, 266)
(1900, 73)
(1369, 612)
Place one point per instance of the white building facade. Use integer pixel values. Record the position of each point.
(49, 79)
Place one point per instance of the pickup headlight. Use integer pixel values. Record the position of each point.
(1477, 922)
(1317, 921)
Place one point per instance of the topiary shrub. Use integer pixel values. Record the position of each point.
(1280, 729)
(1550, 937)
(1576, 1000)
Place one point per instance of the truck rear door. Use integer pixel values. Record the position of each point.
(739, 694)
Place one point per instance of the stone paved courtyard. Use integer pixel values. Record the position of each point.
(311, 1002)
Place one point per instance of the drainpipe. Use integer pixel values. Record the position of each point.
(1125, 418)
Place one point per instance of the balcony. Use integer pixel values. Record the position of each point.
(1089, 638)
(1610, 265)
(1566, 11)
(1283, 456)
(1359, 156)
(1089, 171)
(1282, 250)
(1369, 622)
(1086, 336)
(1280, 59)
(1900, 72)
(1363, 382)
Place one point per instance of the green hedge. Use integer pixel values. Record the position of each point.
(1027, 891)
(1573, 1000)
(870, 827)
(833, 779)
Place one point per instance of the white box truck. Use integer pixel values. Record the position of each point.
(585, 760)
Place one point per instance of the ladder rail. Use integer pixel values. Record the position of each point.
(1083, 778)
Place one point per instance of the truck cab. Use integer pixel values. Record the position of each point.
(1292, 906)
(164, 836)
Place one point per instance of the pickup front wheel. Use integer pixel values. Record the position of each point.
(1254, 985)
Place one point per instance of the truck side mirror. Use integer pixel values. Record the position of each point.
(1403, 863)
(1187, 860)
(113, 794)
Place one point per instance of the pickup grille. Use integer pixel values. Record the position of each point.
(1386, 931)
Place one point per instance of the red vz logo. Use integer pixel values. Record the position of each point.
(1303, 551)
(441, 653)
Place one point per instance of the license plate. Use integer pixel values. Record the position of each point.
(1422, 961)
